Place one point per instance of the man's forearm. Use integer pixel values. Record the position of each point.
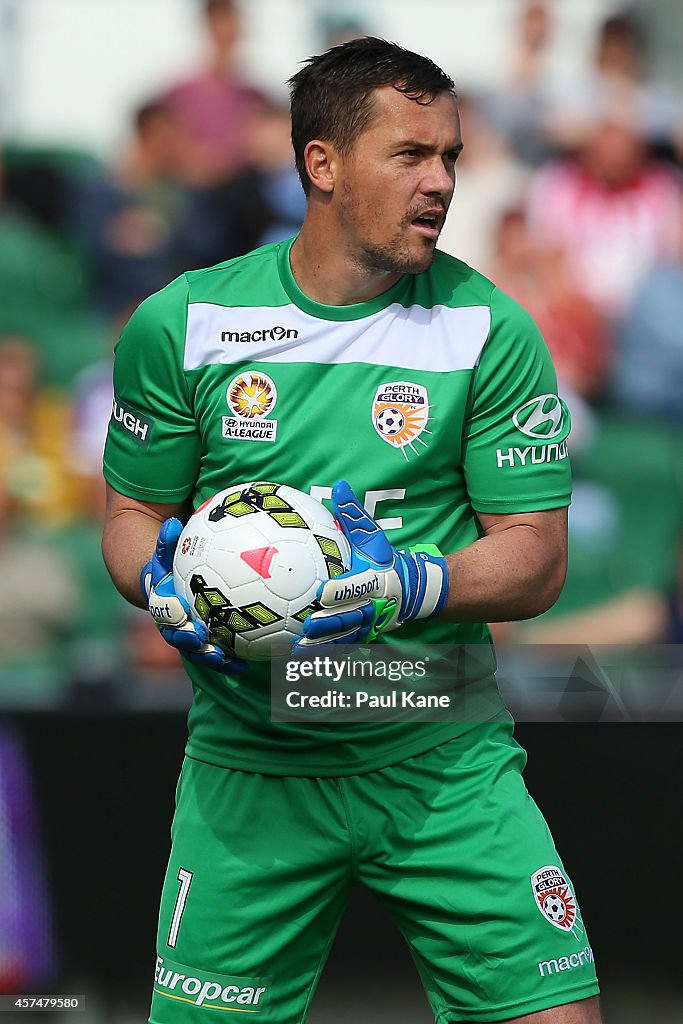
(127, 544)
(129, 538)
(505, 576)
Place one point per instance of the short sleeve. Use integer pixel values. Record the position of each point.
(515, 436)
(153, 445)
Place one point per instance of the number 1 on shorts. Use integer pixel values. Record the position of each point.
(185, 879)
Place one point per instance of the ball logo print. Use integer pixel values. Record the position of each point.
(541, 418)
(555, 899)
(263, 551)
(251, 395)
(556, 907)
(400, 412)
(390, 421)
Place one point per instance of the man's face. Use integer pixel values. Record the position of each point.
(615, 151)
(395, 185)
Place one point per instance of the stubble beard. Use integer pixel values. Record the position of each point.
(394, 257)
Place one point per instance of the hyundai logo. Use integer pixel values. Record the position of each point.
(541, 418)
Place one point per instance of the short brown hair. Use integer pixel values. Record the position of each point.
(331, 97)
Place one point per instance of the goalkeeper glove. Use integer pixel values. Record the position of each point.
(171, 612)
(384, 587)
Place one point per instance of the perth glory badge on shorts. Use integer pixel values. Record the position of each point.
(556, 900)
(251, 397)
(400, 412)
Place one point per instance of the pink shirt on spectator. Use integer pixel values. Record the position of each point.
(611, 236)
(212, 112)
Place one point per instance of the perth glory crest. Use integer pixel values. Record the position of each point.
(400, 413)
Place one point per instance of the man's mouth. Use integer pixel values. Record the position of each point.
(429, 223)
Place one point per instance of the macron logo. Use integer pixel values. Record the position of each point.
(566, 963)
(265, 334)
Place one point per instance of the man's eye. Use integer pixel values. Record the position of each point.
(410, 152)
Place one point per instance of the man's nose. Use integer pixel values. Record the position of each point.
(439, 178)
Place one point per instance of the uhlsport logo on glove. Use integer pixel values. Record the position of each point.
(352, 591)
(384, 587)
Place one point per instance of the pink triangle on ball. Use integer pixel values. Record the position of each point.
(259, 559)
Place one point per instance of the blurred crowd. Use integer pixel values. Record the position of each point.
(569, 199)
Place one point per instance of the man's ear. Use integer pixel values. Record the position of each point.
(321, 162)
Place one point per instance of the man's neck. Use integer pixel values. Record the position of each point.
(327, 275)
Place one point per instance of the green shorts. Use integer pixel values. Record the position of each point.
(450, 842)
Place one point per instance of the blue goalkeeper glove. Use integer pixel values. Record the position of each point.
(384, 587)
(171, 612)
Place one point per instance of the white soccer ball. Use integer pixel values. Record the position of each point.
(390, 421)
(554, 908)
(249, 563)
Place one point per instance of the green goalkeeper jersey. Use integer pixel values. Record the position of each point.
(436, 400)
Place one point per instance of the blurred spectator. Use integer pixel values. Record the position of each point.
(92, 397)
(38, 609)
(517, 105)
(42, 290)
(111, 633)
(263, 203)
(529, 56)
(336, 27)
(489, 179)
(128, 217)
(35, 468)
(618, 75)
(612, 209)
(39, 188)
(211, 111)
(272, 166)
(648, 371)
(572, 326)
(33, 266)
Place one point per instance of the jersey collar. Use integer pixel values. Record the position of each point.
(356, 311)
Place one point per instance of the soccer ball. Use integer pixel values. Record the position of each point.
(390, 421)
(554, 908)
(249, 563)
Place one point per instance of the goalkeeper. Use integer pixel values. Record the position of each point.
(390, 365)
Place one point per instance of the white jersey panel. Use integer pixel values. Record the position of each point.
(414, 338)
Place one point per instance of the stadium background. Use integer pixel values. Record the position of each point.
(103, 199)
